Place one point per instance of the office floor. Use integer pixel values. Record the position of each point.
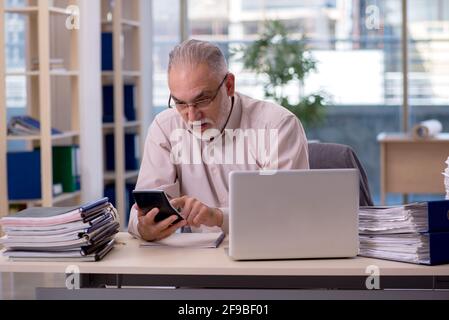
(21, 285)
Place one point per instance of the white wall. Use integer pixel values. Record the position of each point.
(90, 100)
(147, 64)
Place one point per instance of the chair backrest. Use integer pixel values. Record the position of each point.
(339, 156)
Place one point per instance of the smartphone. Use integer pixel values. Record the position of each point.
(149, 199)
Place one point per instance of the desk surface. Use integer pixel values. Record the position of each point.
(404, 137)
(128, 258)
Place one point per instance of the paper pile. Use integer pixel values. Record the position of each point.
(80, 233)
(446, 179)
(416, 233)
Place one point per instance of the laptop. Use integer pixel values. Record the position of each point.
(293, 214)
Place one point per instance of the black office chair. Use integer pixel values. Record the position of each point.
(339, 156)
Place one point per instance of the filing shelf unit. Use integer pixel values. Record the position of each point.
(123, 19)
(43, 101)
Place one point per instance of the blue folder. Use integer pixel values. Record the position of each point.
(131, 162)
(438, 216)
(438, 247)
(24, 175)
(106, 52)
(108, 103)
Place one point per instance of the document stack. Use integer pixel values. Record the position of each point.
(80, 233)
(415, 233)
(446, 179)
(26, 125)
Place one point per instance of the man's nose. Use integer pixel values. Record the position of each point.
(193, 114)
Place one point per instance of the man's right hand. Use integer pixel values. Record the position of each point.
(153, 231)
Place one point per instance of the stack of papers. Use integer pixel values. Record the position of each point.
(446, 179)
(395, 233)
(55, 64)
(191, 240)
(81, 233)
(26, 125)
(393, 219)
(407, 247)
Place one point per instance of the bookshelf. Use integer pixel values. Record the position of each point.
(122, 19)
(52, 95)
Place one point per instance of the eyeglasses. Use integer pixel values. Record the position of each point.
(201, 104)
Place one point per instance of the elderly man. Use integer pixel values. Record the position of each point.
(205, 113)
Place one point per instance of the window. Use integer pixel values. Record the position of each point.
(428, 49)
(357, 44)
(166, 34)
(15, 51)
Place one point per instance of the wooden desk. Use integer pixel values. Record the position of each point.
(412, 166)
(129, 265)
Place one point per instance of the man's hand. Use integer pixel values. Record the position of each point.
(153, 231)
(197, 213)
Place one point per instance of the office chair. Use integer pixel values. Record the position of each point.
(339, 156)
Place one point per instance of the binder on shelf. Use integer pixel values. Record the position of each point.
(128, 103)
(26, 125)
(24, 176)
(131, 162)
(107, 60)
(66, 167)
(109, 192)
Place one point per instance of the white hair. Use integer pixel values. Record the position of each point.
(194, 52)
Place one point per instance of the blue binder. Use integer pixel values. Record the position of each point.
(131, 162)
(438, 247)
(438, 216)
(130, 110)
(24, 175)
(107, 59)
(108, 103)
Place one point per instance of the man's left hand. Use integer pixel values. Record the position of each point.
(197, 213)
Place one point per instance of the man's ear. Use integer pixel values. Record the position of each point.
(230, 84)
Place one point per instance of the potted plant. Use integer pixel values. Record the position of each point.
(284, 60)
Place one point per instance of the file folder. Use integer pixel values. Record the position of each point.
(24, 175)
(107, 59)
(438, 247)
(131, 152)
(438, 216)
(128, 103)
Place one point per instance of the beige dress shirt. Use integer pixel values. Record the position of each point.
(179, 163)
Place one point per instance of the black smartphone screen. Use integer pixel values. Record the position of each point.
(149, 199)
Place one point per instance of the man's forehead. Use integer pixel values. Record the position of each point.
(191, 81)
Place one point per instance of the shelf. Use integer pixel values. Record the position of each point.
(35, 9)
(126, 73)
(66, 196)
(131, 23)
(64, 73)
(23, 73)
(69, 134)
(56, 199)
(125, 22)
(21, 10)
(109, 126)
(111, 176)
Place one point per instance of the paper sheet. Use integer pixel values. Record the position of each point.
(189, 240)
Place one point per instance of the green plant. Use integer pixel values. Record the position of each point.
(283, 60)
